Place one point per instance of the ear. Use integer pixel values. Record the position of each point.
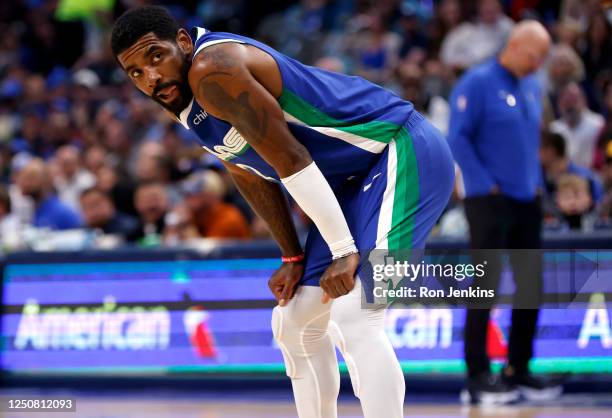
(184, 42)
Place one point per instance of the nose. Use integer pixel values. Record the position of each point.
(153, 77)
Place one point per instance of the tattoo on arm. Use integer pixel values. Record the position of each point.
(239, 110)
(218, 58)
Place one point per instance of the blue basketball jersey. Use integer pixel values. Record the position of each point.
(345, 122)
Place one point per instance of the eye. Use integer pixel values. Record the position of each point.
(157, 57)
(135, 73)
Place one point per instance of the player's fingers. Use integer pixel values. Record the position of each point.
(334, 287)
(287, 292)
(294, 286)
(348, 281)
(340, 287)
(275, 289)
(324, 283)
(339, 284)
(325, 298)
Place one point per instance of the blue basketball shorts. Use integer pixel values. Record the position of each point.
(398, 202)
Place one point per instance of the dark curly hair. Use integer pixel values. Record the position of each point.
(555, 141)
(137, 22)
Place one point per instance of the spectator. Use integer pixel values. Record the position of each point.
(574, 201)
(448, 15)
(116, 138)
(578, 124)
(410, 77)
(377, 50)
(232, 195)
(563, 67)
(578, 11)
(114, 181)
(606, 205)
(472, 43)
(180, 226)
(568, 33)
(154, 165)
(22, 206)
(411, 31)
(606, 133)
(9, 224)
(99, 213)
(49, 210)
(426, 91)
(214, 218)
(95, 159)
(555, 164)
(299, 30)
(30, 138)
(71, 179)
(151, 202)
(596, 55)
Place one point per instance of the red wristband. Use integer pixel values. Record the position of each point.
(293, 259)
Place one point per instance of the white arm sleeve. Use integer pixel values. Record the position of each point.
(311, 191)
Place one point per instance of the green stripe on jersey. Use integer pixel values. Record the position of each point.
(311, 116)
(406, 197)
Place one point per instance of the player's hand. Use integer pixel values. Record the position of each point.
(284, 281)
(339, 278)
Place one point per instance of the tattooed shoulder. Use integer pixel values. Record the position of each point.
(218, 56)
(221, 85)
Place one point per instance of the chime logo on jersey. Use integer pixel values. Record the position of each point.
(195, 320)
(199, 117)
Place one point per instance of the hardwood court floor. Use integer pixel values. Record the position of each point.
(169, 406)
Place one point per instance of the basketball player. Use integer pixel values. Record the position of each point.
(361, 162)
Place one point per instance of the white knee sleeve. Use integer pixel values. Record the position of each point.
(375, 373)
(301, 331)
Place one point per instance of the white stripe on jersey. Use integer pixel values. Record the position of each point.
(211, 43)
(364, 143)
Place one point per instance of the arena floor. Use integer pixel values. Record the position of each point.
(177, 405)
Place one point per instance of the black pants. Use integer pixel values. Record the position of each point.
(499, 222)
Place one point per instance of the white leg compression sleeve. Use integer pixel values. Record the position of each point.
(375, 372)
(300, 328)
(304, 333)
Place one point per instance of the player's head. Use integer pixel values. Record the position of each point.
(155, 52)
(527, 47)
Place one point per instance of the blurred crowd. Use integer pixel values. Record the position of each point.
(81, 148)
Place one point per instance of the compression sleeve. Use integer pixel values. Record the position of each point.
(312, 192)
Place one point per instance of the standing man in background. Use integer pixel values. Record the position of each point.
(494, 134)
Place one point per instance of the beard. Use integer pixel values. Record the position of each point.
(184, 90)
